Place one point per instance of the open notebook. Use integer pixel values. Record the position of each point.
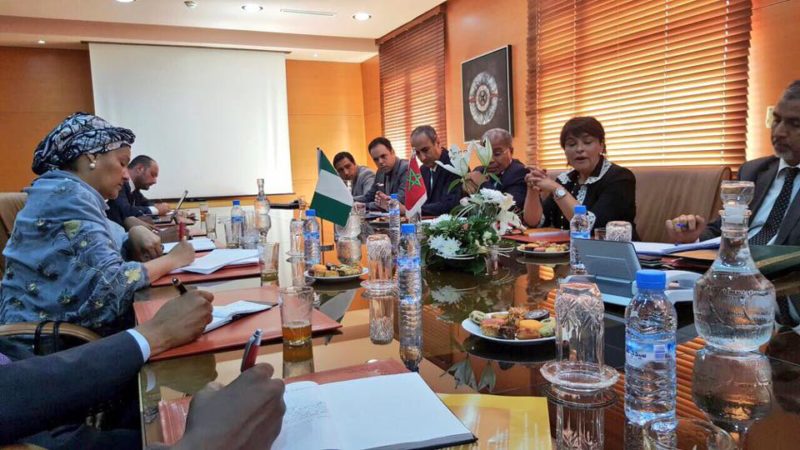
(232, 311)
(200, 244)
(220, 258)
(386, 412)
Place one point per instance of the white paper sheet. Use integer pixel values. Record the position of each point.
(200, 244)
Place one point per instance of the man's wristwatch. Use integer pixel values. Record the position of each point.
(559, 193)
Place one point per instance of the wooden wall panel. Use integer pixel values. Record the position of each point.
(774, 63)
(38, 88)
(371, 87)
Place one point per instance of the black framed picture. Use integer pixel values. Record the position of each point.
(486, 91)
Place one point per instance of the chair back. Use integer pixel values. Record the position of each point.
(10, 204)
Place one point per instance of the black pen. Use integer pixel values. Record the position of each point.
(179, 286)
(251, 351)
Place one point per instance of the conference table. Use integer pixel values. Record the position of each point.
(762, 414)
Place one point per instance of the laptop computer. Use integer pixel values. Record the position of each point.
(161, 220)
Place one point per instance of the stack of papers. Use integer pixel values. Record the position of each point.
(220, 258)
(659, 248)
(232, 311)
(200, 244)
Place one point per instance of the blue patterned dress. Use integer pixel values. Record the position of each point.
(64, 260)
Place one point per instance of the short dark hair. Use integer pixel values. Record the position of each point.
(577, 126)
(343, 155)
(427, 130)
(792, 92)
(141, 160)
(380, 141)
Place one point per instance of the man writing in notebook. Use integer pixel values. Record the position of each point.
(775, 207)
(142, 174)
(57, 391)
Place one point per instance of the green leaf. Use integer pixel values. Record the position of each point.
(454, 183)
(494, 177)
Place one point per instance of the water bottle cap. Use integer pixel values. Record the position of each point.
(311, 213)
(408, 228)
(236, 203)
(393, 196)
(651, 279)
(580, 209)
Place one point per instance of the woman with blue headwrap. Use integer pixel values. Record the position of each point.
(65, 260)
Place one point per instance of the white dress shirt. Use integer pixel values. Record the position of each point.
(762, 214)
(144, 346)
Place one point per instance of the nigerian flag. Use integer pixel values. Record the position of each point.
(332, 200)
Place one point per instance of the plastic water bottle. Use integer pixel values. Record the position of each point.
(237, 225)
(263, 222)
(409, 284)
(579, 228)
(650, 324)
(311, 238)
(394, 222)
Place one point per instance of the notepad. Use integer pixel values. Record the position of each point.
(200, 244)
(220, 258)
(659, 248)
(393, 412)
(232, 311)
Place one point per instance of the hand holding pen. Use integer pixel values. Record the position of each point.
(685, 228)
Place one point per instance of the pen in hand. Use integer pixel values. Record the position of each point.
(179, 286)
(251, 350)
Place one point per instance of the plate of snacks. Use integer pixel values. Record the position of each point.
(543, 248)
(336, 272)
(517, 326)
(383, 221)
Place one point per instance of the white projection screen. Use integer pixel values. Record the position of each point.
(213, 119)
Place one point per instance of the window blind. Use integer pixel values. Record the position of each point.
(412, 82)
(667, 79)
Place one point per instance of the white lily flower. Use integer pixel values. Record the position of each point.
(484, 152)
(459, 161)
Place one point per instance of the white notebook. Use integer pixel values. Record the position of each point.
(220, 258)
(226, 314)
(200, 244)
(394, 412)
(659, 248)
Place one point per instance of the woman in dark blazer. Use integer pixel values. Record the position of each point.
(607, 190)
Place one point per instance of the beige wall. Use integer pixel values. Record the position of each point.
(371, 87)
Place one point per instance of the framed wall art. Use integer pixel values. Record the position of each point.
(486, 92)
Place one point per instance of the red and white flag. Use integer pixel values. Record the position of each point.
(416, 195)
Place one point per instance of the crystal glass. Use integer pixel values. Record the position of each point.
(491, 258)
(296, 243)
(211, 226)
(296, 306)
(268, 260)
(382, 298)
(599, 234)
(348, 241)
(579, 428)
(298, 264)
(734, 304)
(685, 434)
(203, 206)
(733, 389)
(231, 240)
(379, 254)
(298, 360)
(579, 363)
(619, 230)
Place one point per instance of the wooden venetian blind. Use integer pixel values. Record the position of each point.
(412, 82)
(668, 79)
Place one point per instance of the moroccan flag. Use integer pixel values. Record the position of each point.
(416, 195)
(332, 200)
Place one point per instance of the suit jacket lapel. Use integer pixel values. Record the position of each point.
(790, 221)
(763, 181)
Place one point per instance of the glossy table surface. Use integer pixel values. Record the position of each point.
(758, 400)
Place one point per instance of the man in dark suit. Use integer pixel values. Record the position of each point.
(142, 174)
(775, 204)
(391, 176)
(57, 391)
(441, 199)
(510, 172)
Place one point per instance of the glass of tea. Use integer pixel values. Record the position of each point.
(296, 302)
(268, 259)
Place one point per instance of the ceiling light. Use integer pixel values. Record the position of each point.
(362, 16)
(316, 55)
(126, 1)
(41, 42)
(252, 7)
(308, 12)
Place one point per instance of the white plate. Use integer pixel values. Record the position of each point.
(521, 249)
(475, 330)
(310, 273)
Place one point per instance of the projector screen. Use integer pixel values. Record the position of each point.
(213, 119)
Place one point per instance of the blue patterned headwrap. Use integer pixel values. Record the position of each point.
(78, 134)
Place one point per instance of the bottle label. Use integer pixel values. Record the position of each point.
(237, 219)
(579, 235)
(311, 235)
(637, 354)
(394, 212)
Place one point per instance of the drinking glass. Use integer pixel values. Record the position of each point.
(619, 231)
(298, 360)
(296, 243)
(298, 264)
(685, 434)
(296, 306)
(268, 259)
(599, 234)
(382, 297)
(231, 241)
(203, 213)
(379, 254)
(211, 226)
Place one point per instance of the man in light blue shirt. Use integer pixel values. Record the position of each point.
(775, 206)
